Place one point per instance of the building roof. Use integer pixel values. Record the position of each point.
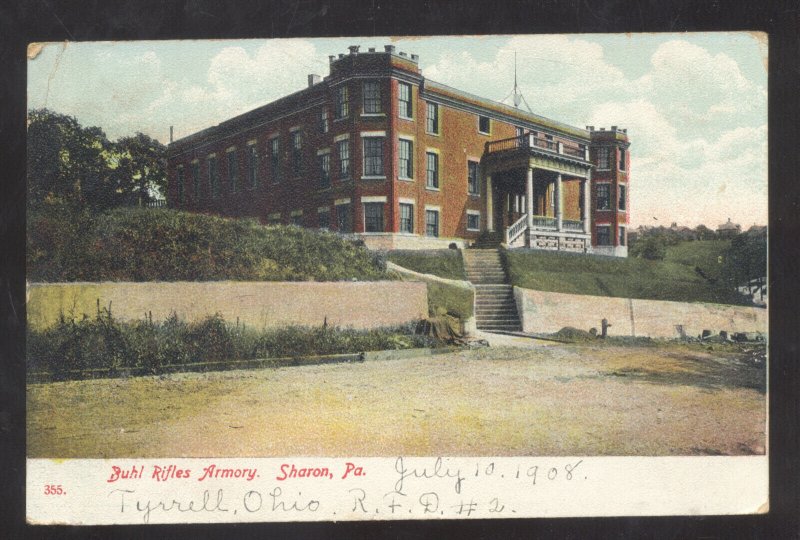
(431, 88)
(729, 226)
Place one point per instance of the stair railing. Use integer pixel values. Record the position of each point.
(515, 230)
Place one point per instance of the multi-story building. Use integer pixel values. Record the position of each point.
(378, 150)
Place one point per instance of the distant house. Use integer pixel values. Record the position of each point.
(728, 229)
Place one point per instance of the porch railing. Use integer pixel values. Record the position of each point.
(572, 225)
(545, 222)
(514, 231)
(528, 140)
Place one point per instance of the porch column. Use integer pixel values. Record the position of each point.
(587, 201)
(489, 205)
(529, 198)
(557, 194)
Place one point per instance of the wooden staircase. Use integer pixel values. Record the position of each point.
(495, 307)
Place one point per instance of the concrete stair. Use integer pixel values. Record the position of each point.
(488, 240)
(495, 307)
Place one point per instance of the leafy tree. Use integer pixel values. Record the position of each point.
(79, 166)
(652, 247)
(66, 161)
(704, 233)
(140, 168)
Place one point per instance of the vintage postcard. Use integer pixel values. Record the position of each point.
(397, 278)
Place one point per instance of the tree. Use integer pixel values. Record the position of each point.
(651, 247)
(66, 162)
(79, 166)
(704, 233)
(140, 170)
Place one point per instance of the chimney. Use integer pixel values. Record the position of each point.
(331, 58)
(353, 49)
(372, 49)
(341, 56)
(389, 48)
(170, 133)
(613, 128)
(602, 129)
(403, 54)
(589, 128)
(415, 57)
(313, 79)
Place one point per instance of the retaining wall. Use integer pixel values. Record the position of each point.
(546, 312)
(363, 304)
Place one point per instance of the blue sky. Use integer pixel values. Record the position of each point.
(695, 105)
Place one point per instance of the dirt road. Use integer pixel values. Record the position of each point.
(505, 401)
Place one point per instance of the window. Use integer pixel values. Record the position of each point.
(622, 236)
(275, 159)
(406, 110)
(622, 159)
(297, 147)
(343, 148)
(603, 157)
(233, 172)
(432, 170)
(324, 170)
(213, 177)
(342, 102)
(621, 191)
(373, 156)
(324, 219)
(180, 185)
(323, 121)
(274, 219)
(196, 180)
(473, 221)
(343, 220)
(484, 125)
(604, 196)
(473, 178)
(372, 97)
(252, 165)
(406, 159)
(603, 235)
(432, 116)
(373, 217)
(431, 222)
(406, 218)
(297, 219)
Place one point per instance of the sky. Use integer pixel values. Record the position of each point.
(694, 104)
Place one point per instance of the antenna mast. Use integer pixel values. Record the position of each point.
(516, 93)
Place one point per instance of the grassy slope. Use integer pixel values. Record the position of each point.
(445, 263)
(134, 244)
(617, 277)
(702, 253)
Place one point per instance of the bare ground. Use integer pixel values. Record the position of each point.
(524, 399)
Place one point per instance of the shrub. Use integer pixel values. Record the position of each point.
(138, 244)
(72, 346)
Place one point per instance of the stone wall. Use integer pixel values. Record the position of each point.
(258, 304)
(546, 312)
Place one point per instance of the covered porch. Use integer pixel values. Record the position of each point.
(538, 193)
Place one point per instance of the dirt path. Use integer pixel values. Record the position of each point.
(554, 400)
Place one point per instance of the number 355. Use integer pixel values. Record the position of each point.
(50, 489)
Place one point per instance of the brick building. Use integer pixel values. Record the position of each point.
(376, 149)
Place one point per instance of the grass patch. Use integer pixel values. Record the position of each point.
(614, 276)
(704, 254)
(455, 301)
(104, 343)
(137, 244)
(445, 263)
